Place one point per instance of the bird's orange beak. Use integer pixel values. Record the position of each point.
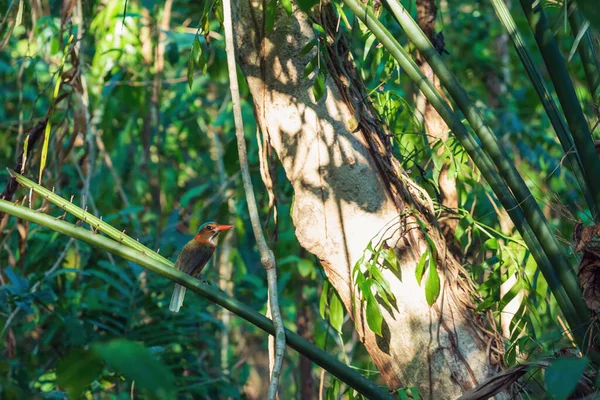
(222, 228)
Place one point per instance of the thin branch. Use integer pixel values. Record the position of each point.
(266, 255)
(137, 253)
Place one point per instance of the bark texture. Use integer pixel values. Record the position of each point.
(348, 192)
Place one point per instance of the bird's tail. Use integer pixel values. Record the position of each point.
(177, 298)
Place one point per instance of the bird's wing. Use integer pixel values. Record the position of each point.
(194, 257)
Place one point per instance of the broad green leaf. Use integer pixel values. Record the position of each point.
(432, 283)
(491, 244)
(336, 311)
(135, 362)
(390, 258)
(323, 300)
(190, 72)
(305, 267)
(421, 266)
(287, 6)
(374, 317)
(78, 370)
(563, 375)
(319, 85)
(270, 16)
(196, 48)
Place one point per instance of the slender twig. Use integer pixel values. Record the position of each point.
(266, 255)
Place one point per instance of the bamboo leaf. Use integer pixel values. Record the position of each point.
(270, 15)
(336, 311)
(307, 48)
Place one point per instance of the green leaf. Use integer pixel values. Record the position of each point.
(390, 260)
(319, 29)
(333, 391)
(305, 267)
(491, 244)
(133, 361)
(19, 17)
(310, 67)
(432, 283)
(78, 370)
(563, 375)
(374, 317)
(190, 72)
(323, 300)
(336, 312)
(196, 48)
(287, 6)
(421, 266)
(306, 5)
(44, 155)
(270, 15)
(319, 85)
(368, 43)
(307, 48)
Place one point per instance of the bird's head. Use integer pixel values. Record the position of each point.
(209, 232)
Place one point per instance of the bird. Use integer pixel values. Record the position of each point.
(194, 256)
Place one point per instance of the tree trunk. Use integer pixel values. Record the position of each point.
(348, 191)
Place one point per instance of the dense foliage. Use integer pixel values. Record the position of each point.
(140, 131)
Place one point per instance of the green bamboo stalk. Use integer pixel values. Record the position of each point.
(587, 52)
(86, 217)
(483, 162)
(496, 151)
(556, 119)
(142, 258)
(557, 69)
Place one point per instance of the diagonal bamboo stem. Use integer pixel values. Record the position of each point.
(555, 269)
(143, 258)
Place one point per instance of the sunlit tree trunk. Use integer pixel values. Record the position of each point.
(348, 190)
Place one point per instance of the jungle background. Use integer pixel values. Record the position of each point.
(123, 108)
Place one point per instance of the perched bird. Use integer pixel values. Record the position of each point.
(194, 256)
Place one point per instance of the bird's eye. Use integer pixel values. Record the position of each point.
(210, 228)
